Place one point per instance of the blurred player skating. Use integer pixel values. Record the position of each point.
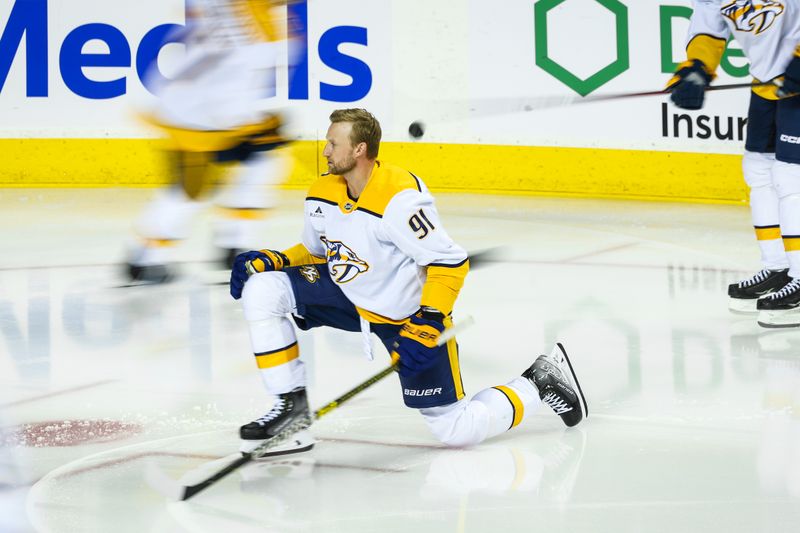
(222, 111)
(376, 258)
(769, 33)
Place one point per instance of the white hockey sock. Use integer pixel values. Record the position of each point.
(764, 208)
(277, 356)
(509, 404)
(758, 168)
(266, 299)
(786, 177)
(790, 229)
(238, 228)
(164, 223)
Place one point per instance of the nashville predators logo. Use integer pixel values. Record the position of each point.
(753, 15)
(343, 263)
(310, 273)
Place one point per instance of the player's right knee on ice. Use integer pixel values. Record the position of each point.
(757, 169)
(460, 424)
(267, 295)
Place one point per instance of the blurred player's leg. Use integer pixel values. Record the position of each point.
(245, 202)
(167, 219)
(223, 96)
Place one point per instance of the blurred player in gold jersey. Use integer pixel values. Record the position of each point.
(222, 116)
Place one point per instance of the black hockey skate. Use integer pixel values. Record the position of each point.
(744, 294)
(781, 309)
(229, 256)
(149, 274)
(558, 387)
(289, 416)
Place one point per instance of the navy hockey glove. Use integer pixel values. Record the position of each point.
(248, 263)
(416, 346)
(791, 78)
(688, 86)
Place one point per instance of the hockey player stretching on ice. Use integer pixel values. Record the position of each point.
(769, 33)
(375, 258)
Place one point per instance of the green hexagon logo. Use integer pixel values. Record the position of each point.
(602, 76)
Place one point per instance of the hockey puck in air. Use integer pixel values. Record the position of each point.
(416, 129)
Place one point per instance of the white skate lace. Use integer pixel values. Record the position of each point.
(787, 289)
(757, 278)
(556, 403)
(273, 413)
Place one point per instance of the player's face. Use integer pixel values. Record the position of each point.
(339, 152)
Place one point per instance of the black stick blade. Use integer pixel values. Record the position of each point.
(482, 258)
(173, 490)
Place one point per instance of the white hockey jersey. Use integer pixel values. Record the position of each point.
(229, 76)
(767, 30)
(377, 247)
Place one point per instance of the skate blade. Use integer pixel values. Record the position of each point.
(302, 441)
(742, 306)
(789, 318)
(560, 354)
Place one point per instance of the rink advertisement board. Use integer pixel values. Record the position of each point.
(78, 68)
(474, 72)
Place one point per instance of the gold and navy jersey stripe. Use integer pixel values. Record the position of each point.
(277, 357)
(261, 133)
(375, 318)
(768, 233)
(299, 255)
(386, 181)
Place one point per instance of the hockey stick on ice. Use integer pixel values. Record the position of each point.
(174, 490)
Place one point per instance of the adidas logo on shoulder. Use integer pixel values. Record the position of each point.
(317, 213)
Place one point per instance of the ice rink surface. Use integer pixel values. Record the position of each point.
(694, 412)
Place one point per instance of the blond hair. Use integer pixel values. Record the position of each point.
(366, 128)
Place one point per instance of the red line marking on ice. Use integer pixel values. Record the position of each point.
(142, 455)
(621, 265)
(389, 444)
(57, 393)
(599, 252)
(360, 467)
(134, 457)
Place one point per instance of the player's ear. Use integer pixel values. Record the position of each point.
(361, 149)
